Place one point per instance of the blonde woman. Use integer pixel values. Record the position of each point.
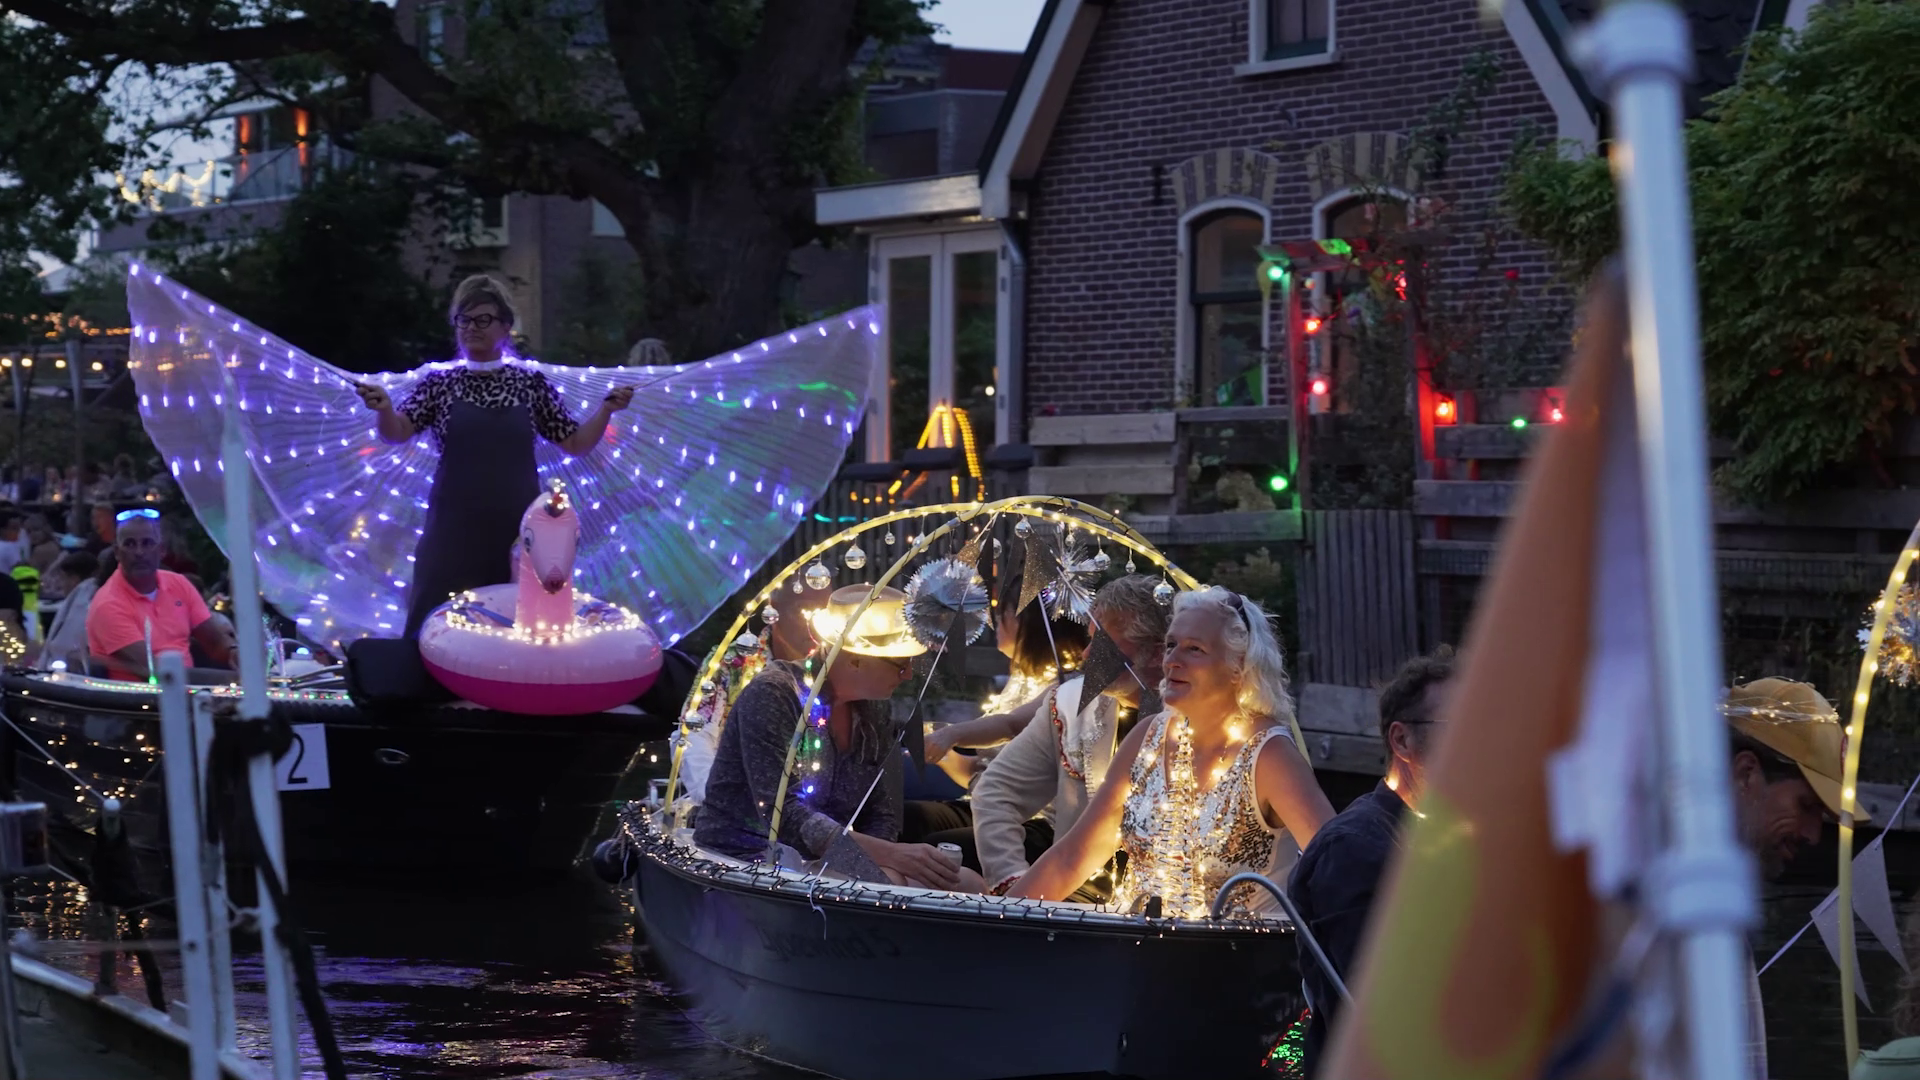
(1211, 787)
(483, 414)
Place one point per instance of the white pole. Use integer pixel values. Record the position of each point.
(214, 868)
(254, 706)
(1701, 889)
(189, 886)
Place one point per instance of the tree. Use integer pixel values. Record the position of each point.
(1808, 243)
(702, 125)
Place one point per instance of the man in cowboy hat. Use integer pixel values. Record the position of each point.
(841, 811)
(1788, 747)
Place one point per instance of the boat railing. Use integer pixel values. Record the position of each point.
(1299, 924)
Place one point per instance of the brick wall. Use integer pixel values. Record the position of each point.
(1156, 88)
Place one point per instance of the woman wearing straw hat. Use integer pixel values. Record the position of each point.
(841, 812)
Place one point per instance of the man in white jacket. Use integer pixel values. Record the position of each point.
(1059, 760)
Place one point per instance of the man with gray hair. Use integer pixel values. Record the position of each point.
(1054, 766)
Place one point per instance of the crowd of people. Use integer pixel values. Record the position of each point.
(1151, 770)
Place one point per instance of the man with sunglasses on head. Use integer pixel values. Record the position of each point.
(143, 611)
(1338, 875)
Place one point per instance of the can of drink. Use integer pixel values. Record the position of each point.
(951, 852)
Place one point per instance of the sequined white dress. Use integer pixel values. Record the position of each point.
(1183, 845)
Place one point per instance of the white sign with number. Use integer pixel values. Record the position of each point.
(304, 766)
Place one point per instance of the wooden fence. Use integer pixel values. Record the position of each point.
(1358, 617)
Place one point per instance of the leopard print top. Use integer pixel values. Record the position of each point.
(489, 388)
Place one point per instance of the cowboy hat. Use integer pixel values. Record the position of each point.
(1793, 720)
(881, 631)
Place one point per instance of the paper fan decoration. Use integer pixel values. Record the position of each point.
(1076, 573)
(1900, 647)
(695, 485)
(942, 592)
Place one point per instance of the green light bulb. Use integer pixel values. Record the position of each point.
(1518, 423)
(1279, 482)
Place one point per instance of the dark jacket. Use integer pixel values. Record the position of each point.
(1333, 885)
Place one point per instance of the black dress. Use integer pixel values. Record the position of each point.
(483, 421)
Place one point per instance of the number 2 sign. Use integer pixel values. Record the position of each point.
(304, 766)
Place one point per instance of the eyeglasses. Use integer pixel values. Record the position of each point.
(143, 512)
(478, 322)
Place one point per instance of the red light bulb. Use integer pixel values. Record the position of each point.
(1443, 410)
(1311, 325)
(1319, 386)
(1555, 415)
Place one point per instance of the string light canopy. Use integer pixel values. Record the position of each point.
(692, 489)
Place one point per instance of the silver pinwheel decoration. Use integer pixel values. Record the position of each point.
(946, 597)
(1069, 595)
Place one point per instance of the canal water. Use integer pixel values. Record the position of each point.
(483, 978)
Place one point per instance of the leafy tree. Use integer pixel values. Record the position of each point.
(1808, 242)
(702, 125)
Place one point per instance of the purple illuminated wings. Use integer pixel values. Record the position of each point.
(697, 484)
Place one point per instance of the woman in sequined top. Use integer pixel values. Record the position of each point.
(483, 415)
(1211, 787)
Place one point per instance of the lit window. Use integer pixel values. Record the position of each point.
(1296, 28)
(1229, 314)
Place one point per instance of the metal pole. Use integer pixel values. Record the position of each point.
(254, 706)
(184, 816)
(74, 358)
(1701, 886)
(213, 861)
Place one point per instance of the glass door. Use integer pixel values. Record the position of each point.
(940, 385)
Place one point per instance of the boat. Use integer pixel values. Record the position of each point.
(68, 1029)
(436, 787)
(865, 981)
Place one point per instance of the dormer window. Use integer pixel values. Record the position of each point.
(1285, 35)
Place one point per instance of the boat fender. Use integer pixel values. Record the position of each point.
(613, 860)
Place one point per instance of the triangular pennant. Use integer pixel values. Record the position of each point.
(1038, 571)
(1826, 919)
(1873, 900)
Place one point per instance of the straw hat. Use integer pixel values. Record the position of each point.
(881, 631)
(1793, 720)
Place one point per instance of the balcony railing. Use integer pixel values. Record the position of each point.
(263, 176)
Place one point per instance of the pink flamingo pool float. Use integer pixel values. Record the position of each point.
(560, 652)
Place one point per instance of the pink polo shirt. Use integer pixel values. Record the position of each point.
(118, 617)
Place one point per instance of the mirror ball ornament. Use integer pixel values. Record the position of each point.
(1101, 560)
(890, 538)
(1023, 528)
(818, 576)
(855, 558)
(1163, 594)
(768, 615)
(797, 587)
(1130, 566)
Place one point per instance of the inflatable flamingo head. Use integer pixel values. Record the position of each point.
(549, 536)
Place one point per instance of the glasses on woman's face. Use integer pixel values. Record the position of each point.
(477, 322)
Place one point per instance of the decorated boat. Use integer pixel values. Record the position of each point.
(868, 981)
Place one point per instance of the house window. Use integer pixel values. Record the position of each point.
(604, 223)
(1377, 219)
(1228, 311)
(1297, 28)
(431, 33)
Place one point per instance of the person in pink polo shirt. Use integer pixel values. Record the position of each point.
(140, 595)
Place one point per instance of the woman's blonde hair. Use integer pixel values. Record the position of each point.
(484, 289)
(1251, 645)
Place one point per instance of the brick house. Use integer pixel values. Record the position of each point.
(1148, 153)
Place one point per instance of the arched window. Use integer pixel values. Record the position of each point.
(1375, 217)
(1228, 312)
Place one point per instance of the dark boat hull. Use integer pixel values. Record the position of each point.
(432, 791)
(889, 987)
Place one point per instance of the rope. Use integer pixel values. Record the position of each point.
(54, 761)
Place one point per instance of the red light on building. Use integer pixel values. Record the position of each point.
(1311, 325)
(1319, 386)
(1555, 415)
(1445, 411)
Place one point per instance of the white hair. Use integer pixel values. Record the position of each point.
(1252, 646)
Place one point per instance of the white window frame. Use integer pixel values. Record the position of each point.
(1257, 62)
(1186, 354)
(941, 246)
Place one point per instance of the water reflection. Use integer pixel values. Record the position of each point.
(490, 981)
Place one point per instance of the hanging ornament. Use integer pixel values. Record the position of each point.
(1899, 659)
(1130, 567)
(854, 558)
(768, 615)
(996, 547)
(818, 576)
(1163, 594)
(797, 587)
(1023, 528)
(944, 596)
(1069, 594)
(1101, 560)
(890, 539)
(1037, 567)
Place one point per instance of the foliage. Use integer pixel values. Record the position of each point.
(703, 126)
(330, 277)
(602, 301)
(1806, 244)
